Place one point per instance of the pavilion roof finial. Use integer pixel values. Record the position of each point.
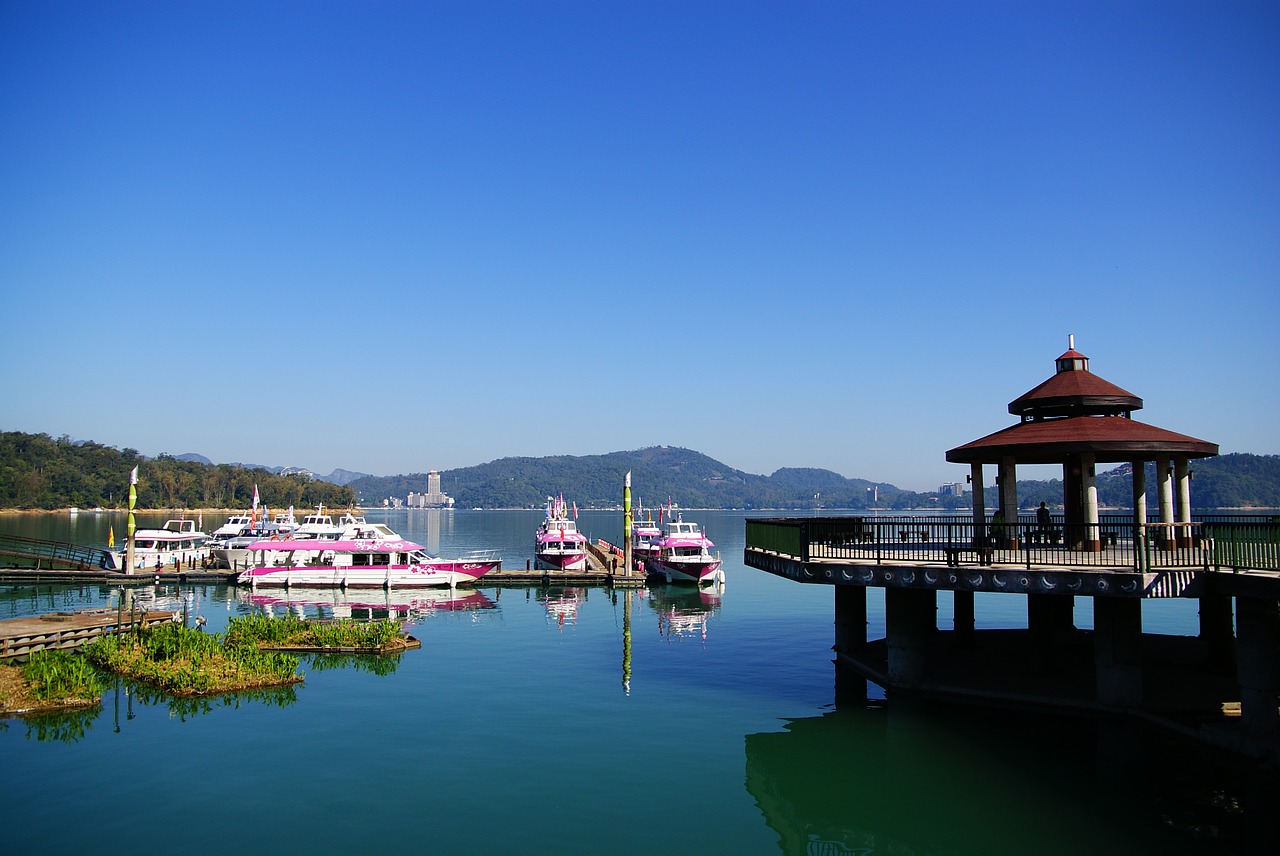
(1071, 341)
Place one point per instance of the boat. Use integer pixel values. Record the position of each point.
(177, 543)
(644, 536)
(229, 546)
(684, 554)
(558, 545)
(330, 602)
(376, 561)
(236, 525)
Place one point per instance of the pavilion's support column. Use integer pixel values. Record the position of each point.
(979, 506)
(1009, 502)
(963, 617)
(1117, 650)
(1258, 663)
(1140, 512)
(1217, 632)
(1182, 475)
(1073, 520)
(1089, 487)
(911, 617)
(851, 619)
(1164, 482)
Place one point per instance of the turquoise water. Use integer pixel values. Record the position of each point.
(583, 721)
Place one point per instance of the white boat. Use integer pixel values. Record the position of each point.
(375, 561)
(644, 538)
(176, 544)
(684, 554)
(558, 545)
(236, 524)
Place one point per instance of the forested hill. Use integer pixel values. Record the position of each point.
(38, 471)
(689, 478)
(696, 481)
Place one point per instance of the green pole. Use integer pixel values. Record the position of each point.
(133, 502)
(626, 523)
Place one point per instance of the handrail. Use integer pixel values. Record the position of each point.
(54, 551)
(957, 540)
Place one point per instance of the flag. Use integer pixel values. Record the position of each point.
(200, 520)
(575, 509)
(133, 476)
(111, 535)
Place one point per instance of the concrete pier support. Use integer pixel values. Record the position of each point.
(1258, 663)
(1117, 650)
(1140, 511)
(1217, 632)
(962, 617)
(979, 505)
(911, 619)
(851, 619)
(1050, 615)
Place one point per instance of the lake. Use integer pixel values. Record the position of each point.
(580, 720)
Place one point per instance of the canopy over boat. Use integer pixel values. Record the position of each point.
(343, 546)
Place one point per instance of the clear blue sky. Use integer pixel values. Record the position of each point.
(393, 236)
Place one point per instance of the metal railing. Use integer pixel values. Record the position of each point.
(55, 553)
(1113, 543)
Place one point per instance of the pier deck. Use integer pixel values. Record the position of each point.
(21, 637)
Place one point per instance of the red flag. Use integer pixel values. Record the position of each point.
(575, 509)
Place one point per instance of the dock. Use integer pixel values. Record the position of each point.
(21, 637)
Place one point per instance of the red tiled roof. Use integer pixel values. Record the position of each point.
(1082, 386)
(1110, 438)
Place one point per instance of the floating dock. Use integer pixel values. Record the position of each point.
(21, 637)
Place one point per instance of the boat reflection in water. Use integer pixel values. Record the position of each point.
(561, 604)
(365, 605)
(685, 612)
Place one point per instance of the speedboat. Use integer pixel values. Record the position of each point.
(558, 545)
(385, 562)
(684, 554)
(177, 543)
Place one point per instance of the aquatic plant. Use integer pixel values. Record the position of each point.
(185, 661)
(60, 676)
(293, 631)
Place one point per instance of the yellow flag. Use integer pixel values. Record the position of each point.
(111, 535)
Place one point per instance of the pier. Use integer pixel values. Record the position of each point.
(1221, 686)
(21, 637)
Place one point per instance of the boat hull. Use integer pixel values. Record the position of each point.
(442, 572)
(699, 572)
(568, 560)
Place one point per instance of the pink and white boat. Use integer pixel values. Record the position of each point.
(644, 539)
(559, 546)
(381, 562)
(684, 554)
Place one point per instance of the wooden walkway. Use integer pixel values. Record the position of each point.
(20, 637)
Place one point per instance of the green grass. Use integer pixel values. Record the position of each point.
(61, 676)
(294, 631)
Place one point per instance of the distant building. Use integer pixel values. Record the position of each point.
(433, 498)
(951, 489)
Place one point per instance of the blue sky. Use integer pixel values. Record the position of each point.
(392, 236)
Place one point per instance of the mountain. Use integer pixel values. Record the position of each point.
(342, 477)
(695, 480)
(689, 478)
(193, 457)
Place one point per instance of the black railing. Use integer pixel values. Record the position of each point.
(1114, 543)
(54, 552)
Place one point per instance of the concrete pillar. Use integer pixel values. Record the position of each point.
(1164, 482)
(1009, 501)
(1258, 663)
(1182, 475)
(979, 505)
(1117, 650)
(911, 617)
(851, 619)
(962, 617)
(1217, 632)
(1089, 484)
(1140, 511)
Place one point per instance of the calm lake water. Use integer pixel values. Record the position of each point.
(575, 720)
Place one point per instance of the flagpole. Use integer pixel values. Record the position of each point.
(626, 523)
(133, 501)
